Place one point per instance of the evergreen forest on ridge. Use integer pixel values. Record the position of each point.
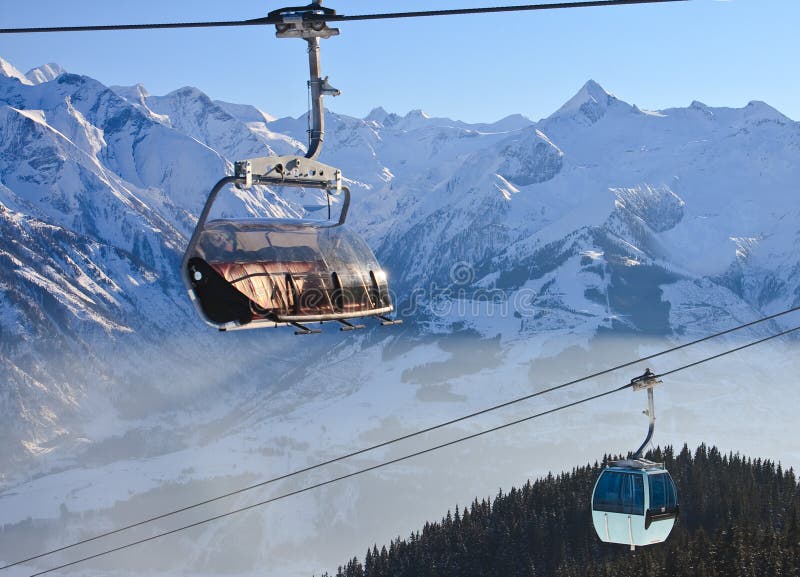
(738, 517)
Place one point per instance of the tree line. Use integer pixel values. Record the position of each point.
(738, 517)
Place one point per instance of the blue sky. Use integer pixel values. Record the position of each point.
(473, 68)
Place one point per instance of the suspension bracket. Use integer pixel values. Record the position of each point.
(648, 380)
(288, 170)
(303, 22)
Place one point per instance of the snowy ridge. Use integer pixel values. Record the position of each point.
(44, 73)
(518, 253)
(9, 71)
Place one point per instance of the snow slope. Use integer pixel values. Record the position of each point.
(521, 255)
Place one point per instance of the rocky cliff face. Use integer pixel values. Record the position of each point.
(525, 239)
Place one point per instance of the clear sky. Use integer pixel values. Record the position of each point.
(476, 68)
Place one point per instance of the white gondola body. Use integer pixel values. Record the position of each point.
(634, 507)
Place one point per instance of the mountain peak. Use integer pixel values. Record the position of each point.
(593, 90)
(136, 94)
(591, 102)
(758, 110)
(417, 114)
(245, 112)
(190, 93)
(8, 70)
(702, 108)
(45, 73)
(512, 122)
(377, 114)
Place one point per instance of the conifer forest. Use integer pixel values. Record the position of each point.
(738, 517)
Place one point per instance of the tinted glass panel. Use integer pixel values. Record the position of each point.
(633, 496)
(345, 252)
(662, 492)
(607, 492)
(619, 492)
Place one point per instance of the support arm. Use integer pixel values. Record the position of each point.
(294, 25)
(651, 412)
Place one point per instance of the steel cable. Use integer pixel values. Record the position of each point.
(311, 17)
(409, 436)
(403, 458)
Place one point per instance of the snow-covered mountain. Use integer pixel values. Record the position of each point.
(518, 253)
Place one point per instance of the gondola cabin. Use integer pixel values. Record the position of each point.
(269, 271)
(634, 503)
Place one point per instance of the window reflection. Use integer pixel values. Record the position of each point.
(619, 492)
